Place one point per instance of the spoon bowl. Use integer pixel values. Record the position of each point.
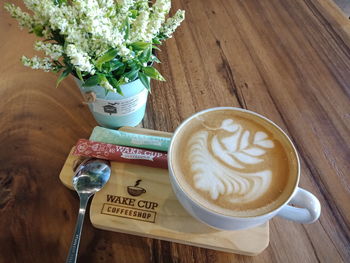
(89, 178)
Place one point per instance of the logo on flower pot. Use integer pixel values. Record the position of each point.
(110, 108)
(136, 190)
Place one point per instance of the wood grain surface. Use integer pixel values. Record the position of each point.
(166, 218)
(288, 60)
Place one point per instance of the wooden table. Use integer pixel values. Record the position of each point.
(288, 60)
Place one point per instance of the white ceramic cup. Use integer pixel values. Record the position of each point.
(307, 210)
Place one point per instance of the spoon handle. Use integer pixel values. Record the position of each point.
(73, 251)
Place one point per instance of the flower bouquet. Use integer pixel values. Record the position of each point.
(106, 45)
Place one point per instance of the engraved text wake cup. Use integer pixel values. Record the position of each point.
(233, 169)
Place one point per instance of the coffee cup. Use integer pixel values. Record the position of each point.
(234, 169)
(135, 190)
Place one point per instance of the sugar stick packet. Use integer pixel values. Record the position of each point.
(119, 153)
(145, 131)
(100, 134)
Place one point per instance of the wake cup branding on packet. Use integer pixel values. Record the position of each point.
(120, 107)
(121, 153)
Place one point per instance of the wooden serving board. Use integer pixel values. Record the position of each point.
(151, 209)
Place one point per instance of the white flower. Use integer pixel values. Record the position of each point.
(39, 63)
(104, 83)
(139, 28)
(84, 30)
(172, 23)
(125, 5)
(107, 5)
(159, 10)
(79, 59)
(96, 26)
(52, 50)
(61, 18)
(125, 52)
(23, 18)
(47, 33)
(162, 6)
(43, 10)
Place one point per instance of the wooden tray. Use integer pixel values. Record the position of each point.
(151, 210)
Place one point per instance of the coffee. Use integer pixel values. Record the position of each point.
(234, 162)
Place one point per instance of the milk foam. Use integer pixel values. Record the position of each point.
(219, 157)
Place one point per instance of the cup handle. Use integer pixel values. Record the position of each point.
(308, 210)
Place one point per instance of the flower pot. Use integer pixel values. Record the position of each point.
(114, 110)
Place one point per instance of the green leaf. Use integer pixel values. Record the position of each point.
(127, 28)
(146, 55)
(156, 41)
(112, 65)
(132, 64)
(108, 56)
(63, 75)
(121, 81)
(115, 64)
(120, 71)
(58, 66)
(92, 81)
(106, 92)
(153, 73)
(38, 30)
(133, 13)
(145, 81)
(132, 75)
(155, 59)
(104, 79)
(161, 37)
(155, 47)
(115, 85)
(139, 45)
(59, 2)
(79, 75)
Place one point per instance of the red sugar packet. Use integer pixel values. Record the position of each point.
(123, 154)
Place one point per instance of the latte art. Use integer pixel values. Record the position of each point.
(233, 162)
(217, 171)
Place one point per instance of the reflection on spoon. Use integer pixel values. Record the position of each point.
(90, 176)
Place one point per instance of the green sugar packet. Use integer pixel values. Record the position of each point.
(100, 134)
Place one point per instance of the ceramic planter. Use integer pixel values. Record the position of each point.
(114, 110)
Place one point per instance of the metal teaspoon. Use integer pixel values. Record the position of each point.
(89, 178)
